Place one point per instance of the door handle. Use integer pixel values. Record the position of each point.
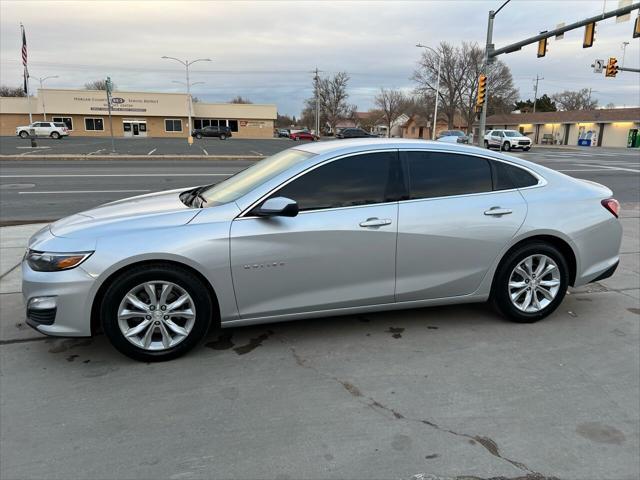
(375, 222)
(497, 211)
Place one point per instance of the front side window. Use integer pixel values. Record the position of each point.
(358, 180)
(173, 125)
(437, 174)
(93, 124)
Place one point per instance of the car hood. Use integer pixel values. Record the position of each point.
(161, 209)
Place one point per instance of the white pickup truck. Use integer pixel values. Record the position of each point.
(43, 129)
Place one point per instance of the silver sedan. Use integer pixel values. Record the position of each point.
(322, 229)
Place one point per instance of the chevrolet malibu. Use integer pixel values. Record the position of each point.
(322, 229)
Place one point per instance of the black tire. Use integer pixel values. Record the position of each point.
(198, 136)
(223, 136)
(500, 297)
(24, 134)
(151, 272)
(506, 146)
(55, 135)
(486, 144)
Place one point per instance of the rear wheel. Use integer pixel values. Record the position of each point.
(156, 312)
(530, 282)
(55, 135)
(223, 136)
(24, 134)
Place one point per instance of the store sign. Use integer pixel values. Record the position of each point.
(117, 100)
(86, 103)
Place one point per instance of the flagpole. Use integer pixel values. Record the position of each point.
(26, 71)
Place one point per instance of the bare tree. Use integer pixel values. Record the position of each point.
(240, 99)
(333, 99)
(575, 100)
(453, 72)
(390, 103)
(6, 91)
(98, 85)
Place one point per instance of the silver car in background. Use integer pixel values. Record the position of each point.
(322, 229)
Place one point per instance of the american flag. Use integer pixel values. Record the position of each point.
(24, 59)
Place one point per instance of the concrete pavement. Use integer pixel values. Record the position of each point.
(452, 392)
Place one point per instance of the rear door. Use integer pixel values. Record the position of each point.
(454, 225)
(339, 251)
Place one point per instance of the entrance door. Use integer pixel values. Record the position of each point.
(338, 252)
(136, 129)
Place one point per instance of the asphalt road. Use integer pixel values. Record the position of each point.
(41, 189)
(142, 146)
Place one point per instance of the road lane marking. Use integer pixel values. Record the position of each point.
(205, 152)
(152, 151)
(81, 191)
(619, 169)
(97, 151)
(257, 153)
(57, 175)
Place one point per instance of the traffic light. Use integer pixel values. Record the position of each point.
(542, 47)
(589, 33)
(482, 90)
(612, 67)
(636, 27)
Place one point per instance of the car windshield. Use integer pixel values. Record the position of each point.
(512, 133)
(243, 182)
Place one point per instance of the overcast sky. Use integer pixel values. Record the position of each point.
(266, 50)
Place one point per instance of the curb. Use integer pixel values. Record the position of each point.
(131, 157)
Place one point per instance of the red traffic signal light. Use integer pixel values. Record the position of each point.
(612, 67)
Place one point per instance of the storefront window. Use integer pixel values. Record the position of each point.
(197, 124)
(233, 125)
(68, 121)
(173, 125)
(93, 124)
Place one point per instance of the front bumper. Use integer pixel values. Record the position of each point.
(69, 290)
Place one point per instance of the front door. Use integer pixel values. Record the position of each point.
(339, 251)
(455, 224)
(136, 129)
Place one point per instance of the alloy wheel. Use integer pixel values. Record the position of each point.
(534, 283)
(156, 315)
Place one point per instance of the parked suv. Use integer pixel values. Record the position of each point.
(354, 133)
(221, 132)
(44, 129)
(506, 140)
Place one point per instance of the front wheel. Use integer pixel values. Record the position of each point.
(24, 134)
(156, 312)
(530, 282)
(506, 146)
(526, 149)
(223, 136)
(198, 136)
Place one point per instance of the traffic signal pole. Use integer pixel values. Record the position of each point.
(485, 67)
(490, 52)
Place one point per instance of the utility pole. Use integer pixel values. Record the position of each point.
(316, 80)
(624, 51)
(109, 86)
(535, 90)
(485, 68)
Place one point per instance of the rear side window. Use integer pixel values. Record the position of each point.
(507, 176)
(436, 174)
(358, 180)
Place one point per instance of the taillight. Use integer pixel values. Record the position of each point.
(612, 205)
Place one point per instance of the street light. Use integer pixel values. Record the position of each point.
(435, 112)
(187, 64)
(42, 80)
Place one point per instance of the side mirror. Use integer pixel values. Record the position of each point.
(277, 207)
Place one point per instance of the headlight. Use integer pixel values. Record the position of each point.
(53, 262)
